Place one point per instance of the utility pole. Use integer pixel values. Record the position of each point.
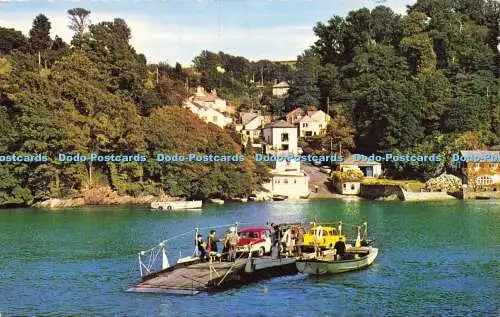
(262, 75)
(157, 75)
(328, 105)
(39, 59)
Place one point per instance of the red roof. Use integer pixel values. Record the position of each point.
(254, 230)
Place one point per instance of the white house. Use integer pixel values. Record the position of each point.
(207, 114)
(281, 137)
(211, 115)
(251, 124)
(281, 89)
(313, 123)
(288, 179)
(209, 99)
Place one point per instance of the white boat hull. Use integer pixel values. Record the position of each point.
(176, 205)
(318, 266)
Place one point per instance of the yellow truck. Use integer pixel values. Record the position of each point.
(323, 237)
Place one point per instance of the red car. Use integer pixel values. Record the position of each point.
(258, 238)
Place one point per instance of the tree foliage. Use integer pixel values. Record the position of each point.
(101, 97)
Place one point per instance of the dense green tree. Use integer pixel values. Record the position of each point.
(304, 92)
(388, 116)
(39, 39)
(339, 135)
(121, 68)
(10, 39)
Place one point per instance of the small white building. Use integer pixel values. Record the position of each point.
(281, 137)
(289, 180)
(348, 187)
(369, 168)
(281, 89)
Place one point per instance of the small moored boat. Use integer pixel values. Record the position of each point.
(217, 201)
(353, 259)
(176, 205)
(279, 197)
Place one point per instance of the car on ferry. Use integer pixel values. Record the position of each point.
(258, 240)
(323, 237)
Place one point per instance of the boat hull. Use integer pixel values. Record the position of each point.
(322, 267)
(176, 205)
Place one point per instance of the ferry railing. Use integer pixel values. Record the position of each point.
(149, 259)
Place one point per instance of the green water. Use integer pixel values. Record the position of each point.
(435, 259)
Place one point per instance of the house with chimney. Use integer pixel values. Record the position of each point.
(309, 123)
(208, 107)
(251, 124)
(207, 114)
(209, 99)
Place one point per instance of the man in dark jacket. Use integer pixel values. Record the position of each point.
(212, 241)
(201, 247)
(339, 248)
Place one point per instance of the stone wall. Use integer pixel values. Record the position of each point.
(481, 195)
(381, 192)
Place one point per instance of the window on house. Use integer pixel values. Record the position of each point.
(352, 186)
(284, 147)
(285, 181)
(320, 126)
(308, 133)
(295, 181)
(484, 180)
(476, 165)
(345, 186)
(284, 137)
(214, 119)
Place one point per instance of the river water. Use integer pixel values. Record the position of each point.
(435, 259)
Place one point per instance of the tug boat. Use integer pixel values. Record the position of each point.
(323, 261)
(326, 263)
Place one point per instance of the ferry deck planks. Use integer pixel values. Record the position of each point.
(195, 277)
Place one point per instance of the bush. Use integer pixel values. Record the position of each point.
(444, 183)
(348, 175)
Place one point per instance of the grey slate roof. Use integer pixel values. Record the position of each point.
(279, 124)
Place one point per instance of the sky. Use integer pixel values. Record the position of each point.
(178, 30)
